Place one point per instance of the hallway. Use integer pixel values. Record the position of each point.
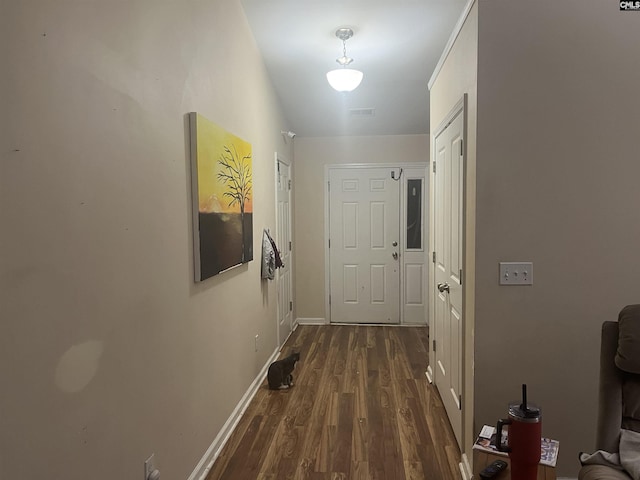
(361, 408)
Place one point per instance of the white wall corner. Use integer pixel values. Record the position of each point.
(206, 462)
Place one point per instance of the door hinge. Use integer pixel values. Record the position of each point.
(433, 257)
(290, 306)
(329, 243)
(460, 277)
(434, 345)
(289, 246)
(434, 167)
(460, 402)
(329, 299)
(329, 186)
(289, 183)
(461, 147)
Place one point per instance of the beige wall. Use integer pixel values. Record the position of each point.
(312, 155)
(458, 77)
(557, 184)
(108, 350)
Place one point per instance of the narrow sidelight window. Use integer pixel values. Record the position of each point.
(414, 213)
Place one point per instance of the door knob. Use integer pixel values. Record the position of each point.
(443, 287)
(395, 255)
(395, 244)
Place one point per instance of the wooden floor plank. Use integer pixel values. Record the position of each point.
(361, 408)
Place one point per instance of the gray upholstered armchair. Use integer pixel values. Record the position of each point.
(619, 396)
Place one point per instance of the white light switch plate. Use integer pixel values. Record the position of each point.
(516, 273)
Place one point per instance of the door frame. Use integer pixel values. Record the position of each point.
(279, 158)
(466, 408)
(402, 233)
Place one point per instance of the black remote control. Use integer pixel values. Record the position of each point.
(493, 469)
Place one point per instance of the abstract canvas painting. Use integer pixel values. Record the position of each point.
(222, 194)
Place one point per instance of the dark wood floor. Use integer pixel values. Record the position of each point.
(361, 408)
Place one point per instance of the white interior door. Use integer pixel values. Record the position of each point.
(283, 241)
(364, 234)
(447, 328)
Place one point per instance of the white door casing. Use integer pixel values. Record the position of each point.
(447, 326)
(364, 236)
(283, 241)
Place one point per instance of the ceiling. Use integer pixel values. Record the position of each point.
(396, 44)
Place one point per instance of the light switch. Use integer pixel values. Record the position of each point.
(516, 273)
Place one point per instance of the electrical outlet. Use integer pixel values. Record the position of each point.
(257, 342)
(149, 466)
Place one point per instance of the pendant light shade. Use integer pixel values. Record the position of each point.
(344, 79)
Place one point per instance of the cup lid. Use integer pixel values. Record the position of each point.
(530, 412)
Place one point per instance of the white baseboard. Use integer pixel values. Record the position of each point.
(429, 374)
(465, 468)
(311, 321)
(212, 453)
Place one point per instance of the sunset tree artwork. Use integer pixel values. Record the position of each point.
(222, 172)
(236, 175)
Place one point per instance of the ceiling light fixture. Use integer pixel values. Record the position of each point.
(344, 79)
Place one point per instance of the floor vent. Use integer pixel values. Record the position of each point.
(362, 112)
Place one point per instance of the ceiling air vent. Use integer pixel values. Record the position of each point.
(362, 112)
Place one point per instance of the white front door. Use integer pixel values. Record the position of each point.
(283, 241)
(447, 328)
(364, 236)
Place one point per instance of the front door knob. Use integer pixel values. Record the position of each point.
(395, 255)
(443, 287)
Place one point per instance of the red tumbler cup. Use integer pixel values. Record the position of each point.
(524, 438)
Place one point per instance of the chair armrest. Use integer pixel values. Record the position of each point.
(610, 392)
